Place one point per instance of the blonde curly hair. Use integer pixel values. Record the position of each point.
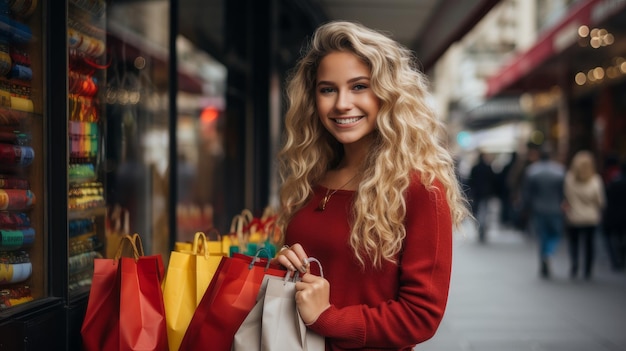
(408, 139)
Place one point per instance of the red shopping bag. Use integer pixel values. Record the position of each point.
(227, 301)
(125, 309)
(102, 318)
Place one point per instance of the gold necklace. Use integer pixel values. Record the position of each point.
(326, 198)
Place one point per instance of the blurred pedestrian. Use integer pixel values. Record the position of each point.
(481, 188)
(543, 197)
(615, 219)
(584, 201)
(504, 191)
(515, 182)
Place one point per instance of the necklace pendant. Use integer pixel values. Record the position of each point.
(322, 204)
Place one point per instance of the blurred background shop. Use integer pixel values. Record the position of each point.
(163, 117)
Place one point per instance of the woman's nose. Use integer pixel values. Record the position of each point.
(344, 101)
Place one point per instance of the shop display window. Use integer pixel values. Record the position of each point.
(22, 266)
(87, 64)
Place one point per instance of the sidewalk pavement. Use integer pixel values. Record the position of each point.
(498, 302)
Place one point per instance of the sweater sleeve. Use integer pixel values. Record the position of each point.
(424, 278)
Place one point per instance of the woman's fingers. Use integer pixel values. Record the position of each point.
(301, 261)
(293, 258)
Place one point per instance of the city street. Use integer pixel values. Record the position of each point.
(498, 302)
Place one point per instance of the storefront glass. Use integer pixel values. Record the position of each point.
(137, 164)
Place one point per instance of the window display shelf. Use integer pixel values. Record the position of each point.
(87, 57)
(22, 269)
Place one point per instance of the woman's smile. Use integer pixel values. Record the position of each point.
(347, 120)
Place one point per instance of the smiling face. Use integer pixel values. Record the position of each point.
(346, 104)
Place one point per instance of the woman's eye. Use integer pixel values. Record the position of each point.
(326, 90)
(360, 87)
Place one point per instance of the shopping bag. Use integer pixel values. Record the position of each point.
(237, 240)
(274, 322)
(249, 234)
(215, 247)
(125, 307)
(188, 276)
(142, 312)
(227, 301)
(257, 227)
(258, 231)
(100, 328)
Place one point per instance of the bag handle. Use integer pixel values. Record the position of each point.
(257, 258)
(319, 264)
(236, 228)
(247, 215)
(199, 244)
(138, 243)
(135, 243)
(296, 275)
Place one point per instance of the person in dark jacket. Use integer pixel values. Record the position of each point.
(515, 183)
(504, 191)
(543, 198)
(481, 188)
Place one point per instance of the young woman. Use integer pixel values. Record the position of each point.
(584, 202)
(369, 190)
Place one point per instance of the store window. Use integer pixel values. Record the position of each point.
(137, 165)
(22, 199)
(201, 105)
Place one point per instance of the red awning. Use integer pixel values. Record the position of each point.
(552, 42)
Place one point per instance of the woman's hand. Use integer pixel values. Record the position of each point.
(312, 292)
(293, 258)
(312, 297)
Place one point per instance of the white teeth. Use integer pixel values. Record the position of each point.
(347, 120)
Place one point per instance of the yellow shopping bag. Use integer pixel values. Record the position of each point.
(215, 247)
(188, 276)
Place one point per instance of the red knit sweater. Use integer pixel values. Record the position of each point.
(393, 308)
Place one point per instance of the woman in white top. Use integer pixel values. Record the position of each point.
(584, 201)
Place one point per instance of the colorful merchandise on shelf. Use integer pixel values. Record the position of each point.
(86, 198)
(15, 267)
(13, 182)
(16, 199)
(12, 239)
(16, 153)
(14, 295)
